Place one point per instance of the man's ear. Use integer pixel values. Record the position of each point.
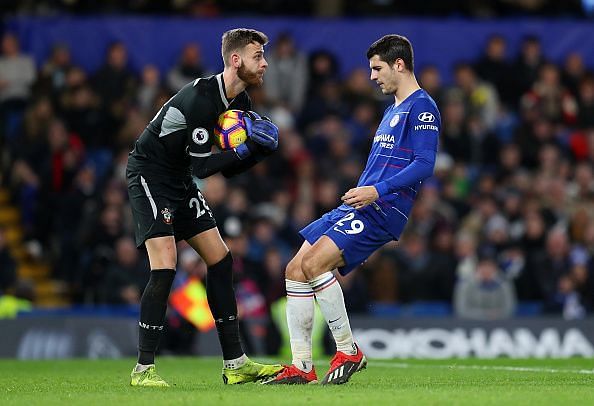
(399, 65)
(235, 60)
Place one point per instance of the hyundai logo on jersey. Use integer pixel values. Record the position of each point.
(426, 117)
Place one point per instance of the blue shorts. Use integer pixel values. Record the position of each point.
(355, 234)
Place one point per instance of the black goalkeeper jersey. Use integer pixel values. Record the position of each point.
(179, 139)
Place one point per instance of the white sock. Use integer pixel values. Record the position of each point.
(235, 363)
(141, 368)
(300, 317)
(331, 300)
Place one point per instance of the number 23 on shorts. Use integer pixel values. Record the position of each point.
(348, 225)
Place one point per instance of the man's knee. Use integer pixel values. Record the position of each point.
(311, 266)
(293, 271)
(164, 262)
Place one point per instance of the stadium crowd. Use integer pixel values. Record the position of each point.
(507, 218)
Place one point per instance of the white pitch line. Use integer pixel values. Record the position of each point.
(403, 365)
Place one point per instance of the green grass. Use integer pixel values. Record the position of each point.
(197, 381)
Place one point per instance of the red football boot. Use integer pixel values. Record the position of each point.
(292, 375)
(343, 366)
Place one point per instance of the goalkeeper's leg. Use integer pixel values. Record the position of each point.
(153, 306)
(237, 367)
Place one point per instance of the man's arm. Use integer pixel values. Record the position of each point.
(262, 141)
(424, 136)
(420, 169)
(228, 162)
(423, 131)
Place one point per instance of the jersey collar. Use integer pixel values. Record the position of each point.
(407, 98)
(222, 90)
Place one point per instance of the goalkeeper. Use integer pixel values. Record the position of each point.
(167, 206)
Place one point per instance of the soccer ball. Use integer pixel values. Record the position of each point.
(230, 131)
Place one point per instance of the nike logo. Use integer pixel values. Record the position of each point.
(332, 321)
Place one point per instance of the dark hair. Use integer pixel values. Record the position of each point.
(238, 38)
(392, 47)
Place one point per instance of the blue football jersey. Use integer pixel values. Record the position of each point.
(402, 156)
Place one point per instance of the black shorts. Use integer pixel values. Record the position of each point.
(163, 208)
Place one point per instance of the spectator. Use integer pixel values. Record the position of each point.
(17, 74)
(54, 71)
(527, 65)
(323, 67)
(480, 97)
(187, 69)
(552, 267)
(494, 68)
(486, 295)
(358, 89)
(454, 138)
(115, 85)
(98, 252)
(126, 278)
(550, 98)
(148, 90)
(585, 100)
(430, 80)
(573, 72)
(287, 75)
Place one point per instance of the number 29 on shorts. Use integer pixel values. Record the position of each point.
(348, 225)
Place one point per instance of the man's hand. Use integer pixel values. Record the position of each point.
(261, 130)
(360, 197)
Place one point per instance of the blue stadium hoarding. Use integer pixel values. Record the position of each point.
(96, 337)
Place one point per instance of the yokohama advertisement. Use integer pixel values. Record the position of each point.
(451, 338)
(93, 337)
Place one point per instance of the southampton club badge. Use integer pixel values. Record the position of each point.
(167, 217)
(394, 120)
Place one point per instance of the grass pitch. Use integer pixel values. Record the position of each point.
(399, 382)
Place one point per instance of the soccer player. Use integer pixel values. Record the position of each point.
(374, 213)
(167, 205)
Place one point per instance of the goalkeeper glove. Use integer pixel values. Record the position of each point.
(261, 130)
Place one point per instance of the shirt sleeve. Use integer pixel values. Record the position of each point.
(424, 124)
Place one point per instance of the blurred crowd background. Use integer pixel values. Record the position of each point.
(333, 8)
(504, 227)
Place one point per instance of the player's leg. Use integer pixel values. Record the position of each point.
(300, 311)
(237, 367)
(153, 306)
(219, 288)
(149, 206)
(317, 265)
(300, 318)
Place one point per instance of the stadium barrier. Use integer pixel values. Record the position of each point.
(107, 337)
(159, 40)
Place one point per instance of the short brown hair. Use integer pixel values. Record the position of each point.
(238, 38)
